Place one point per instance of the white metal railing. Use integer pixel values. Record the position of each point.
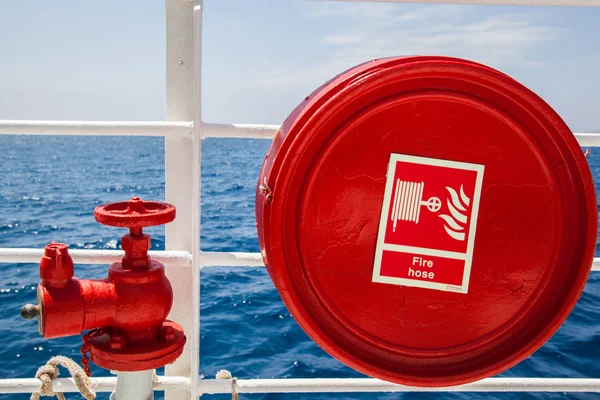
(182, 180)
(96, 128)
(239, 131)
(28, 255)
(357, 385)
(104, 384)
(316, 385)
(170, 129)
(183, 131)
(172, 258)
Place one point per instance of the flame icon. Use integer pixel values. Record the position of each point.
(455, 223)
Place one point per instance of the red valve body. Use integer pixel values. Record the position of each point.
(130, 306)
(136, 303)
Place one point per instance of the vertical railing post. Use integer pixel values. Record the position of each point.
(182, 180)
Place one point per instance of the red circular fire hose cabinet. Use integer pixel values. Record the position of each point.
(427, 220)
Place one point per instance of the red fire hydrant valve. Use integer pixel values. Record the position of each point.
(129, 307)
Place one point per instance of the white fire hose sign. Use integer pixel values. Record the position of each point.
(428, 223)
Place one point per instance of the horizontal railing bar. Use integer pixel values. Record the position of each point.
(166, 128)
(316, 385)
(328, 385)
(104, 384)
(256, 131)
(239, 131)
(96, 128)
(28, 255)
(225, 259)
(171, 257)
(563, 3)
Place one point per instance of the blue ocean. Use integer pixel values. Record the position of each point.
(49, 187)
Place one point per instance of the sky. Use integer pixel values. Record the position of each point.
(73, 59)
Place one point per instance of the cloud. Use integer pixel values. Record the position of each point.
(372, 31)
(444, 30)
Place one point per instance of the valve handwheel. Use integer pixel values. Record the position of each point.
(135, 213)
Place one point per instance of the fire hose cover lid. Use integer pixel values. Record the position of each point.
(427, 220)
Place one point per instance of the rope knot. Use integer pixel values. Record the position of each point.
(46, 374)
(49, 372)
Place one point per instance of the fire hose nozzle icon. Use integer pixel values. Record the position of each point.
(408, 200)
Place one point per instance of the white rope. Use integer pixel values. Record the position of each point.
(50, 371)
(224, 374)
